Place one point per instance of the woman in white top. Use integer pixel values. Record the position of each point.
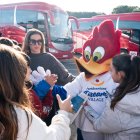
(120, 119)
(17, 121)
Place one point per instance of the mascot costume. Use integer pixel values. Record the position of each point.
(94, 79)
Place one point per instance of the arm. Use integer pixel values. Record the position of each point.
(59, 128)
(75, 87)
(41, 89)
(72, 88)
(44, 86)
(65, 107)
(58, 68)
(59, 90)
(61, 123)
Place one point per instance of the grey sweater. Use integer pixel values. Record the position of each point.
(48, 61)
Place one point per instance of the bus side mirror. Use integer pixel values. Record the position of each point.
(50, 16)
(74, 20)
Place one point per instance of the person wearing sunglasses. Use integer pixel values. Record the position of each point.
(34, 46)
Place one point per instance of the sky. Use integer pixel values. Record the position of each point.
(103, 6)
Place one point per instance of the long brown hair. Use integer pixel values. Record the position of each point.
(26, 47)
(131, 82)
(13, 68)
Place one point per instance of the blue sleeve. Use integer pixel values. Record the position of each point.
(41, 89)
(59, 90)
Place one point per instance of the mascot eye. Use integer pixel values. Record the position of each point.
(87, 53)
(98, 53)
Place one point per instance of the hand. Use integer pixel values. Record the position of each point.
(65, 104)
(51, 79)
(39, 74)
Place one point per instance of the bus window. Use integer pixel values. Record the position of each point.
(9, 13)
(126, 32)
(31, 19)
(86, 25)
(135, 36)
(97, 22)
(42, 26)
(41, 22)
(73, 25)
(60, 28)
(27, 19)
(129, 25)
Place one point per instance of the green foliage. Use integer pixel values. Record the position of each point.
(83, 14)
(125, 9)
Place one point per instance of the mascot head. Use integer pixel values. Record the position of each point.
(99, 49)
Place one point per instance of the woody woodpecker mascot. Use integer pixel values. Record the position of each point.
(94, 79)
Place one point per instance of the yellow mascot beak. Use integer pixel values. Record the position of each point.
(93, 67)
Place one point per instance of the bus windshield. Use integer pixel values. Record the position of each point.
(7, 13)
(60, 31)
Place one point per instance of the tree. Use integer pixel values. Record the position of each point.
(83, 14)
(137, 9)
(125, 9)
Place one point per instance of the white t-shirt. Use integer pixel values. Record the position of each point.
(98, 89)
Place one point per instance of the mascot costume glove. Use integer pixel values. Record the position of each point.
(39, 74)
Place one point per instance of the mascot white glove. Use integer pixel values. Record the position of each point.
(39, 74)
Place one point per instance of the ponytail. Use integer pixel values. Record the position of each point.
(131, 82)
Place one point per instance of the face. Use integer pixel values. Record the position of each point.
(35, 43)
(28, 74)
(117, 76)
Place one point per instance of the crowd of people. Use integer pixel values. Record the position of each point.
(30, 111)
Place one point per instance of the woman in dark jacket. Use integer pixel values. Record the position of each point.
(34, 46)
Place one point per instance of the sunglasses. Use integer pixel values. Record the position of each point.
(34, 42)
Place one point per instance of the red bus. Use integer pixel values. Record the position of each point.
(16, 19)
(128, 23)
